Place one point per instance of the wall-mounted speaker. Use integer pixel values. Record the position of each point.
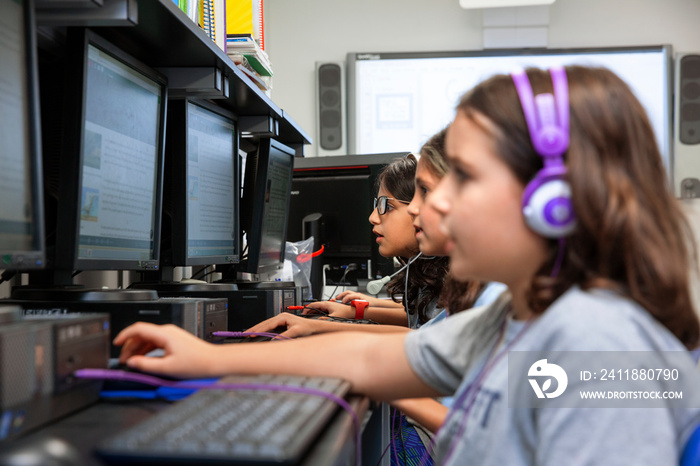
(687, 125)
(331, 133)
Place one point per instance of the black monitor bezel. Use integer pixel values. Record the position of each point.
(35, 258)
(257, 166)
(176, 185)
(68, 224)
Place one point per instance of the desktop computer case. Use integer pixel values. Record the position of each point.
(37, 359)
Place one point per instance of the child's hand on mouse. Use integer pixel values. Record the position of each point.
(347, 296)
(332, 308)
(295, 326)
(184, 355)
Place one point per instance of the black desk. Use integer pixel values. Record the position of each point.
(87, 428)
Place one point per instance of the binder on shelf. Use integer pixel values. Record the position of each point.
(213, 20)
(205, 18)
(220, 23)
(246, 17)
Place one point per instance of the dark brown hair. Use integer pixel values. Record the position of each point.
(398, 178)
(631, 235)
(455, 296)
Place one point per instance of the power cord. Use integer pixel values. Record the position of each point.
(348, 268)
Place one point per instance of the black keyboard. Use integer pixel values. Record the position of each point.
(245, 426)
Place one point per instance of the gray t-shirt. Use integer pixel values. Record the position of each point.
(449, 356)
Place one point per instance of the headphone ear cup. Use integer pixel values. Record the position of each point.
(548, 208)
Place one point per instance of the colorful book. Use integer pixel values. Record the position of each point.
(246, 17)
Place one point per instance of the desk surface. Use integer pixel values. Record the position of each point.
(87, 428)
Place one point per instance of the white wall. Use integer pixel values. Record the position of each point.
(300, 32)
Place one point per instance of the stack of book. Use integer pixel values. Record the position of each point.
(245, 52)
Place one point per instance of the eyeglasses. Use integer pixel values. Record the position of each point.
(380, 203)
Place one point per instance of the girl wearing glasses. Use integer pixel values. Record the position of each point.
(613, 282)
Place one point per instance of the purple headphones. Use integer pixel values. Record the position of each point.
(547, 205)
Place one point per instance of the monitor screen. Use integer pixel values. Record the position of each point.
(202, 185)
(111, 171)
(267, 202)
(21, 198)
(407, 97)
(342, 190)
(344, 199)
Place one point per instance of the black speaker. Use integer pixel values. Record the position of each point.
(330, 108)
(687, 124)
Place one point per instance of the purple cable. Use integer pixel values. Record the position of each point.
(393, 436)
(112, 374)
(274, 336)
(115, 374)
(383, 453)
(560, 258)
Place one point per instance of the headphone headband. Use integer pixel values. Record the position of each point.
(547, 204)
(547, 115)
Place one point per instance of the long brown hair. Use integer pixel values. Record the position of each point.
(455, 295)
(631, 235)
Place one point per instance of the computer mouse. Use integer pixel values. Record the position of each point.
(41, 451)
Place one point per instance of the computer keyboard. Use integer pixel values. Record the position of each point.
(217, 426)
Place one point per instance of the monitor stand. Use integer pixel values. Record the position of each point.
(57, 285)
(79, 294)
(163, 283)
(182, 287)
(265, 285)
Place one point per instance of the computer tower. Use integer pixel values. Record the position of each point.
(212, 314)
(289, 291)
(182, 312)
(245, 306)
(10, 314)
(38, 357)
(251, 306)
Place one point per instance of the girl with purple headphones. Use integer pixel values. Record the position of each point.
(556, 189)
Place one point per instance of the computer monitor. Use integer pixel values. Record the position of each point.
(341, 189)
(265, 206)
(106, 171)
(21, 192)
(202, 186)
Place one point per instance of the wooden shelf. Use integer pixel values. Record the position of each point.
(159, 34)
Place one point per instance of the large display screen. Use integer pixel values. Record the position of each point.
(398, 100)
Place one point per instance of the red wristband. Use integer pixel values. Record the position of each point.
(359, 305)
